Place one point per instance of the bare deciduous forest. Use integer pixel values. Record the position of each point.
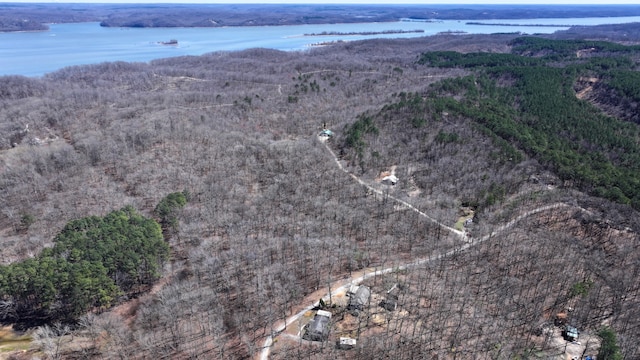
(273, 219)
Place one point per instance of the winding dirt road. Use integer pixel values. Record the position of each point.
(345, 284)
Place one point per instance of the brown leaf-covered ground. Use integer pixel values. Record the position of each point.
(273, 218)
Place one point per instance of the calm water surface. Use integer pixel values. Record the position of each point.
(37, 53)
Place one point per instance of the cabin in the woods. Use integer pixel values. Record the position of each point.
(358, 299)
(318, 328)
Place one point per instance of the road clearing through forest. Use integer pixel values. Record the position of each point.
(344, 284)
(460, 234)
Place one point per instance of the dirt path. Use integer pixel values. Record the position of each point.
(343, 285)
(375, 191)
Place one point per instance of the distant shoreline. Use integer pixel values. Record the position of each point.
(384, 32)
(32, 16)
(515, 24)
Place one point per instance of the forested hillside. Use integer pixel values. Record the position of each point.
(515, 198)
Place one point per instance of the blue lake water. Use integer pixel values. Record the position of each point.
(37, 53)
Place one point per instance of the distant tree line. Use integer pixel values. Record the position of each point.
(26, 17)
(332, 33)
(11, 24)
(567, 48)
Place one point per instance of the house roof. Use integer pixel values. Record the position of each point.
(318, 328)
(392, 179)
(361, 297)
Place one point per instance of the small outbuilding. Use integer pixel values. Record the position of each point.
(318, 328)
(390, 303)
(570, 333)
(358, 300)
(326, 133)
(346, 343)
(389, 180)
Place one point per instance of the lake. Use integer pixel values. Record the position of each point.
(36, 53)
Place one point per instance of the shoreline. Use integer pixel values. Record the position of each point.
(364, 33)
(515, 24)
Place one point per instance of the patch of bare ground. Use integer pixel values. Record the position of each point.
(127, 311)
(13, 344)
(584, 87)
(587, 344)
(606, 99)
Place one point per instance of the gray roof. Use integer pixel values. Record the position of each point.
(318, 328)
(360, 298)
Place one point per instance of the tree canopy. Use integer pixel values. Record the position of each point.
(609, 349)
(168, 207)
(94, 260)
(541, 115)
